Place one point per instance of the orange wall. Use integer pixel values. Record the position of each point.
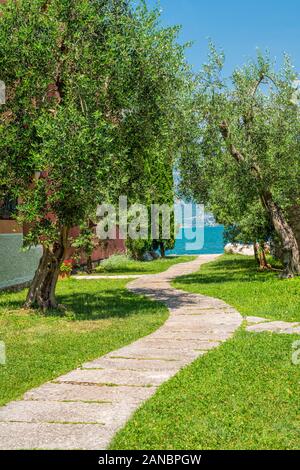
(10, 226)
(103, 251)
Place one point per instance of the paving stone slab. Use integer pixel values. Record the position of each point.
(199, 329)
(134, 364)
(195, 321)
(156, 353)
(181, 345)
(89, 393)
(118, 377)
(182, 313)
(41, 436)
(64, 412)
(275, 327)
(207, 335)
(256, 320)
(178, 342)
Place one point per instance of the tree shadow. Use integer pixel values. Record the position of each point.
(221, 271)
(108, 304)
(12, 300)
(82, 301)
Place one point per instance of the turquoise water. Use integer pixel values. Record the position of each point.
(213, 242)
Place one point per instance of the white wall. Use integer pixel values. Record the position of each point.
(16, 266)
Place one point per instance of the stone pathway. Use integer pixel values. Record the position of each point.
(259, 325)
(86, 407)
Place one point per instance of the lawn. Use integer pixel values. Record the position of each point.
(100, 316)
(236, 280)
(122, 265)
(243, 395)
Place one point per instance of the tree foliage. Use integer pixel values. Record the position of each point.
(94, 102)
(244, 160)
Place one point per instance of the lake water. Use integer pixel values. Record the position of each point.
(213, 242)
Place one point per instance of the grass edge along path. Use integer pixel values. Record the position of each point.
(236, 280)
(122, 265)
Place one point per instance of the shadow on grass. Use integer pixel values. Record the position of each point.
(10, 301)
(91, 300)
(84, 301)
(227, 269)
(110, 304)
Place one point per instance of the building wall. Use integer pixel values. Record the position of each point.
(102, 250)
(10, 226)
(16, 266)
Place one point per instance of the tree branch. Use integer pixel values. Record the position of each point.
(262, 77)
(224, 128)
(234, 152)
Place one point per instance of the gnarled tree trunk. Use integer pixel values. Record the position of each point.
(42, 290)
(262, 258)
(276, 248)
(291, 254)
(294, 221)
(256, 252)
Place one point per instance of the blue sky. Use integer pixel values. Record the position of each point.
(236, 26)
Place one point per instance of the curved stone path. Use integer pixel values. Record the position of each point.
(86, 407)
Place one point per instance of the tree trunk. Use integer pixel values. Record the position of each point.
(256, 253)
(262, 259)
(260, 256)
(162, 249)
(89, 265)
(42, 290)
(291, 255)
(276, 248)
(294, 221)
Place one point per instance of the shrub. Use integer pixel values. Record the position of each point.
(138, 248)
(114, 263)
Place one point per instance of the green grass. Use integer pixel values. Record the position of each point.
(243, 395)
(236, 280)
(122, 265)
(100, 316)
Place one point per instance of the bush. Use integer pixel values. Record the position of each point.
(138, 248)
(114, 263)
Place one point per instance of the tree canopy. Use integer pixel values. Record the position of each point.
(95, 100)
(245, 153)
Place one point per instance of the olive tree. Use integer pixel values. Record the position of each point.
(91, 86)
(247, 146)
